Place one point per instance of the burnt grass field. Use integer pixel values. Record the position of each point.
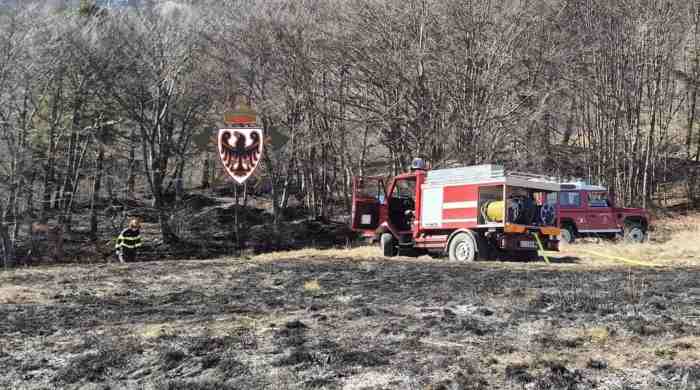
(327, 322)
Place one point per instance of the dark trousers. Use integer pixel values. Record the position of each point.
(128, 255)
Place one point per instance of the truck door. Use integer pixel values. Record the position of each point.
(599, 214)
(402, 199)
(572, 208)
(367, 196)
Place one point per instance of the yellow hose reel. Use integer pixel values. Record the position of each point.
(494, 211)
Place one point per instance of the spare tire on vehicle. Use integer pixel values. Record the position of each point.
(521, 210)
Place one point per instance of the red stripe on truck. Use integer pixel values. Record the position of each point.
(458, 225)
(460, 193)
(459, 213)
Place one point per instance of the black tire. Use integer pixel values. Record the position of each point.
(635, 233)
(388, 245)
(567, 234)
(463, 248)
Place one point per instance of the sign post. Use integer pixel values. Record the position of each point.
(240, 147)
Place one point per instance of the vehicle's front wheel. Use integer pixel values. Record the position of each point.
(462, 248)
(635, 233)
(566, 234)
(388, 245)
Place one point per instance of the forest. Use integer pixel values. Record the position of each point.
(105, 109)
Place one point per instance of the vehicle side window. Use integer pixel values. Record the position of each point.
(570, 199)
(370, 188)
(598, 199)
(551, 198)
(405, 189)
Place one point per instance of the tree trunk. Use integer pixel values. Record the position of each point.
(131, 170)
(70, 184)
(164, 221)
(7, 246)
(363, 155)
(96, 193)
(29, 205)
(156, 154)
(50, 167)
(180, 182)
(205, 171)
(692, 176)
(647, 184)
(109, 183)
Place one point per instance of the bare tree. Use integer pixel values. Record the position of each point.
(156, 61)
(16, 115)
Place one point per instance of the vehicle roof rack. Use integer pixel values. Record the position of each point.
(490, 173)
(582, 185)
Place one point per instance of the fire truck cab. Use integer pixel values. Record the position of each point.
(467, 213)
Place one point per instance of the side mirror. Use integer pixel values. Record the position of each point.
(611, 199)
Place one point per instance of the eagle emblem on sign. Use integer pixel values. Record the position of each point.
(240, 151)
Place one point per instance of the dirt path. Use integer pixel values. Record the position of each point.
(353, 324)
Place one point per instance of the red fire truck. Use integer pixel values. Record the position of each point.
(467, 213)
(589, 210)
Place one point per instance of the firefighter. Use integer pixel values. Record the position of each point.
(129, 241)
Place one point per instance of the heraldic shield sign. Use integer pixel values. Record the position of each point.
(240, 151)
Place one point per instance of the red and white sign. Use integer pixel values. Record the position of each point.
(240, 151)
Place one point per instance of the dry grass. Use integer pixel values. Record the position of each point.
(371, 379)
(674, 242)
(619, 352)
(19, 295)
(648, 354)
(598, 335)
(154, 331)
(312, 286)
(222, 326)
(359, 253)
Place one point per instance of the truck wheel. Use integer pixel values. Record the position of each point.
(635, 233)
(387, 243)
(462, 248)
(566, 234)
